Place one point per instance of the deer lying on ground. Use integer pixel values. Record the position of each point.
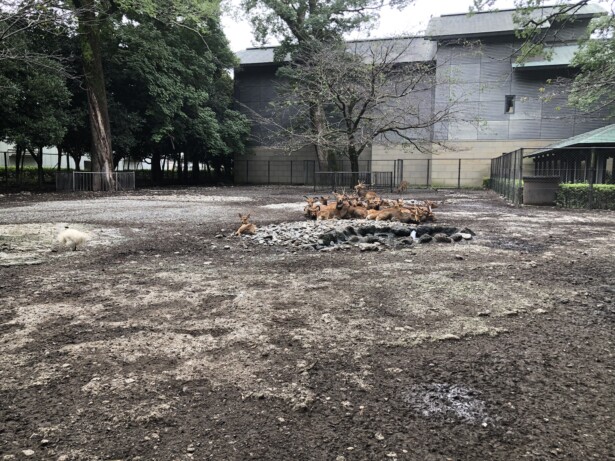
(368, 205)
(246, 227)
(363, 193)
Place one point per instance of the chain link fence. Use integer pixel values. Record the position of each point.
(580, 177)
(80, 181)
(416, 173)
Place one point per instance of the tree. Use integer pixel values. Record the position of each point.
(372, 94)
(178, 94)
(305, 24)
(593, 88)
(35, 96)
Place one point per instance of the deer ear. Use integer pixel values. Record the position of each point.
(248, 216)
(239, 214)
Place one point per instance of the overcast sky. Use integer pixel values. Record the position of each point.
(410, 21)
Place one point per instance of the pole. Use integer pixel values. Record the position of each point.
(519, 190)
(592, 173)
(459, 175)
(6, 169)
(428, 172)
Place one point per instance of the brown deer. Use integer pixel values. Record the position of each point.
(363, 193)
(403, 187)
(246, 227)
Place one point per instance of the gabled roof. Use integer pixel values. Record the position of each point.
(410, 49)
(602, 137)
(491, 23)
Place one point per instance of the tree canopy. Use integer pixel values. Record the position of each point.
(161, 67)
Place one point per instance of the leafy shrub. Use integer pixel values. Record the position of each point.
(28, 179)
(577, 196)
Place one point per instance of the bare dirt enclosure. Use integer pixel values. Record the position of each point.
(165, 339)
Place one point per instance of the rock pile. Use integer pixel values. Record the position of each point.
(367, 236)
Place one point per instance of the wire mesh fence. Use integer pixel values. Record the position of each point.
(416, 173)
(346, 180)
(578, 177)
(80, 181)
(507, 176)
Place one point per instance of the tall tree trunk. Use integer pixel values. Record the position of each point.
(353, 156)
(184, 179)
(196, 172)
(38, 158)
(156, 173)
(317, 120)
(101, 152)
(59, 158)
(18, 154)
(39, 161)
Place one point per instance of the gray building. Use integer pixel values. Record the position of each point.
(499, 105)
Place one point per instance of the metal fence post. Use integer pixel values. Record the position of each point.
(6, 169)
(592, 173)
(459, 175)
(520, 189)
(428, 173)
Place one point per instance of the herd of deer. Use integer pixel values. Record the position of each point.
(363, 204)
(366, 204)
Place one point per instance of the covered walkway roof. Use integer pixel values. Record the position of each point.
(600, 138)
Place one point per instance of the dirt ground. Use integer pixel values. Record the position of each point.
(155, 342)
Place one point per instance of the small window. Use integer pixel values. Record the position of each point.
(509, 108)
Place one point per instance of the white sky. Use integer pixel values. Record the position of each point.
(409, 21)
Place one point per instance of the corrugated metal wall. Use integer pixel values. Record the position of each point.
(482, 78)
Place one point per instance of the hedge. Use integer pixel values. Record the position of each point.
(577, 196)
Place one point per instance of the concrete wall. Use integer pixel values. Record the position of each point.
(442, 168)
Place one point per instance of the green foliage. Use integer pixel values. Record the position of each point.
(26, 179)
(594, 86)
(171, 93)
(577, 196)
(166, 80)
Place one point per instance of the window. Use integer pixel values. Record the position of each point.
(509, 107)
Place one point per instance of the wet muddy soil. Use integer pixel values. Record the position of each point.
(165, 338)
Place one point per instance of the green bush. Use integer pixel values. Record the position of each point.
(577, 196)
(486, 183)
(28, 179)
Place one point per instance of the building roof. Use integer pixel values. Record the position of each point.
(602, 137)
(560, 56)
(257, 55)
(492, 22)
(410, 49)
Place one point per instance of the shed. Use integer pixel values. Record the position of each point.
(574, 159)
